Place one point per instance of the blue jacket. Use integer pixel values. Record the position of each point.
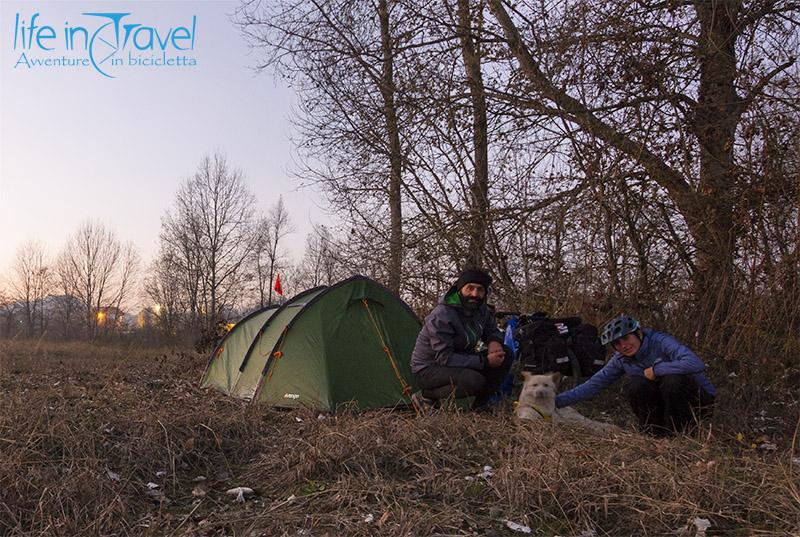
(450, 334)
(665, 354)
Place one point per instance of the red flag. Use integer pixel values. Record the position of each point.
(278, 288)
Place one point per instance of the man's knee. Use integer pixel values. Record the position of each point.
(439, 382)
(471, 382)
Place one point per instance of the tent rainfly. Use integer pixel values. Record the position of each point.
(349, 343)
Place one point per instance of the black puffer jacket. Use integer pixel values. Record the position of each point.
(451, 332)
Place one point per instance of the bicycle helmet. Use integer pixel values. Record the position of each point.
(617, 328)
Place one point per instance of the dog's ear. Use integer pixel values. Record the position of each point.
(526, 375)
(556, 377)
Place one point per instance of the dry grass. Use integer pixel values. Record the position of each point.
(83, 429)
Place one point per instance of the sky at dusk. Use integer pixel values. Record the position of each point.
(76, 144)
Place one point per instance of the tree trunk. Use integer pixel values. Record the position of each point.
(479, 189)
(395, 158)
(271, 278)
(715, 120)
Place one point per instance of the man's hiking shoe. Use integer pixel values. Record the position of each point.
(422, 404)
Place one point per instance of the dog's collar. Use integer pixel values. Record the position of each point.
(545, 417)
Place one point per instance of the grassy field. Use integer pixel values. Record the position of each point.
(104, 440)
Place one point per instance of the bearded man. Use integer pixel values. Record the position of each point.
(446, 361)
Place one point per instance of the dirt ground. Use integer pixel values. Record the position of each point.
(119, 440)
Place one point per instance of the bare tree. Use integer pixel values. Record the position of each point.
(209, 232)
(65, 305)
(268, 255)
(98, 270)
(319, 265)
(31, 282)
(127, 277)
(7, 314)
(164, 286)
(343, 57)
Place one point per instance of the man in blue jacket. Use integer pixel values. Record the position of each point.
(666, 385)
(445, 360)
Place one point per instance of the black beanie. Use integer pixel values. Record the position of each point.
(474, 275)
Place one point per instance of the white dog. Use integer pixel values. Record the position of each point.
(537, 401)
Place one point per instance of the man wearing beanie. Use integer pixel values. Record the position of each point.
(445, 360)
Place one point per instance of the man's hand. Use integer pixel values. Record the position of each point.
(650, 374)
(496, 354)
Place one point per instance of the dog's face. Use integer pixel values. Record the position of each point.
(540, 386)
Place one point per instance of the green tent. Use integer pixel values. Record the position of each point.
(349, 343)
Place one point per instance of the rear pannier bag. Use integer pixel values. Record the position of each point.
(564, 345)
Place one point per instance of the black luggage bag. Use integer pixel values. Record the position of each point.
(565, 345)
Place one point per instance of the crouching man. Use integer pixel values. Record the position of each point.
(666, 387)
(445, 361)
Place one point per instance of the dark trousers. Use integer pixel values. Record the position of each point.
(442, 382)
(668, 404)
